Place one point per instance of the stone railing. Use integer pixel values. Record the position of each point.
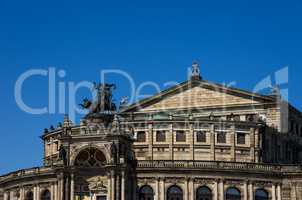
(25, 173)
(218, 165)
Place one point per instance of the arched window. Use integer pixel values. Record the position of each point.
(146, 193)
(174, 193)
(261, 194)
(233, 194)
(90, 157)
(29, 196)
(45, 195)
(204, 193)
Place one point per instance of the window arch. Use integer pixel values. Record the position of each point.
(45, 195)
(29, 195)
(261, 194)
(204, 193)
(90, 157)
(146, 193)
(233, 194)
(174, 193)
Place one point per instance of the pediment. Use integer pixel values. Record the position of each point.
(197, 94)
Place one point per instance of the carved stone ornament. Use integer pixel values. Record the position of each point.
(204, 181)
(234, 183)
(262, 184)
(98, 184)
(174, 180)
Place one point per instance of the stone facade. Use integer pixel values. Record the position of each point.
(197, 140)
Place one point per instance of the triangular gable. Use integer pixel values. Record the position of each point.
(197, 94)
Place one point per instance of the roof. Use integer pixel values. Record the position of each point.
(193, 83)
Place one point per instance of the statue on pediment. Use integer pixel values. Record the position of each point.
(104, 101)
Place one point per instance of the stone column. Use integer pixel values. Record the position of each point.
(274, 192)
(22, 193)
(118, 187)
(257, 138)
(191, 189)
(245, 197)
(150, 140)
(233, 143)
(113, 185)
(294, 191)
(221, 190)
(52, 192)
(67, 188)
(171, 142)
(251, 191)
(215, 190)
(72, 186)
(61, 187)
(187, 193)
(56, 191)
(279, 195)
(109, 186)
(252, 144)
(157, 188)
(162, 189)
(123, 187)
(5, 196)
(191, 140)
(37, 192)
(212, 140)
(11, 195)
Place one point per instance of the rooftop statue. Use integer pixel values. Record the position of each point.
(103, 103)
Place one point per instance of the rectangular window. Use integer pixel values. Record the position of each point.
(180, 136)
(56, 146)
(240, 138)
(221, 137)
(160, 136)
(251, 118)
(201, 136)
(141, 136)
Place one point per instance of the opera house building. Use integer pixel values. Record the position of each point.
(195, 141)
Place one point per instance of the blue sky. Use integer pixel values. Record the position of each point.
(242, 41)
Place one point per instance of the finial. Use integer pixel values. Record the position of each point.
(67, 122)
(195, 71)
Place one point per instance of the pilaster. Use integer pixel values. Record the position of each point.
(123, 186)
(162, 189)
(251, 191)
(171, 142)
(191, 141)
(157, 188)
(252, 144)
(72, 186)
(113, 185)
(279, 195)
(212, 140)
(274, 192)
(216, 189)
(150, 140)
(221, 190)
(233, 143)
